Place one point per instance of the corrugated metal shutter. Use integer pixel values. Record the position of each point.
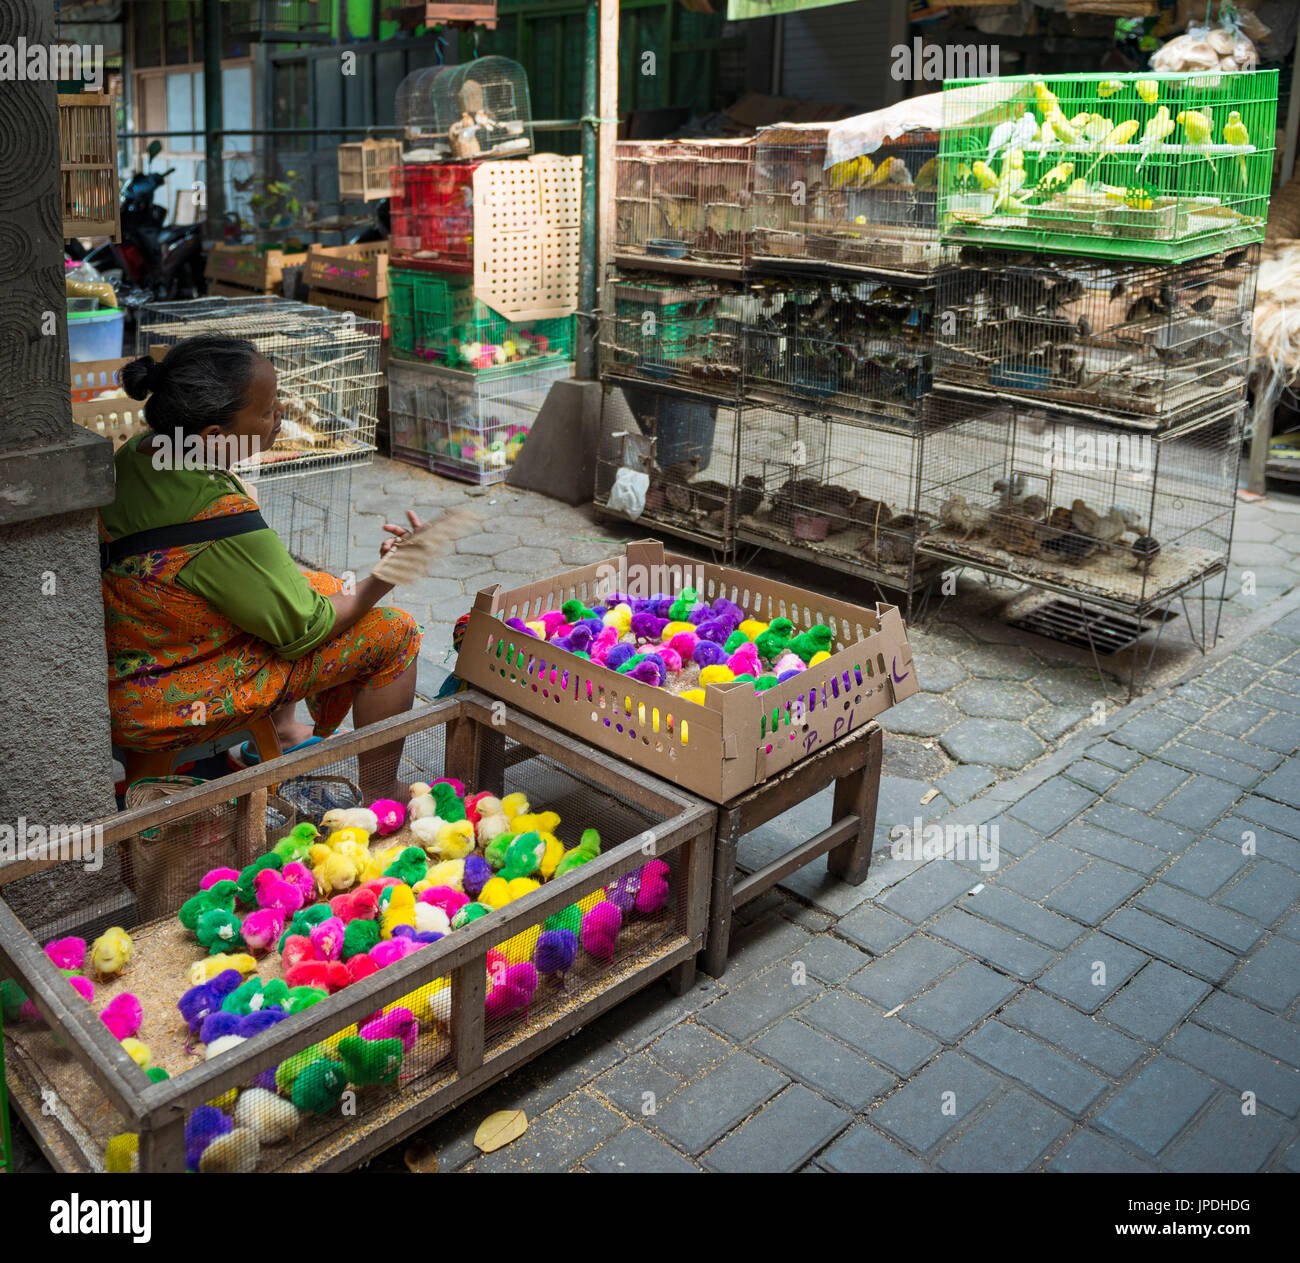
(843, 53)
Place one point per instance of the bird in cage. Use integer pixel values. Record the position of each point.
(749, 498)
(1145, 550)
(957, 515)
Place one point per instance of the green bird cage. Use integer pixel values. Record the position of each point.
(1164, 167)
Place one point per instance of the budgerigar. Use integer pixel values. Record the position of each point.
(1148, 90)
(984, 174)
(1045, 98)
(1154, 134)
(1199, 130)
(1012, 179)
(1108, 87)
(1235, 132)
(1065, 130)
(1055, 179)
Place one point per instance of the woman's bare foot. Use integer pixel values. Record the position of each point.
(288, 729)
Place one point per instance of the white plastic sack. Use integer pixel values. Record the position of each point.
(627, 495)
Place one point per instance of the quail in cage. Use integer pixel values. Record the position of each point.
(957, 515)
(1145, 549)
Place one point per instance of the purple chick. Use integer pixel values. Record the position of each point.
(555, 953)
(202, 1127)
(618, 655)
(478, 872)
(708, 653)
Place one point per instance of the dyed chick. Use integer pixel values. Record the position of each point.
(110, 953)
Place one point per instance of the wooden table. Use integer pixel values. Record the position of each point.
(853, 763)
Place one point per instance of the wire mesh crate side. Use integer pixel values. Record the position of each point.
(1154, 343)
(859, 348)
(874, 212)
(684, 199)
(1167, 167)
(311, 512)
(1105, 513)
(687, 332)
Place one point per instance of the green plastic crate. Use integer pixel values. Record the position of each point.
(1148, 166)
(435, 317)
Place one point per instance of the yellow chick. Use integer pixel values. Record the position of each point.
(522, 945)
(455, 840)
(752, 628)
(122, 1154)
(692, 695)
(535, 822)
(350, 834)
(717, 674)
(673, 628)
(387, 856)
(448, 873)
(225, 1100)
(818, 658)
(587, 902)
(417, 789)
(138, 1052)
(490, 827)
(551, 855)
(318, 854)
(621, 617)
(337, 874)
(400, 910)
(110, 953)
(329, 1046)
(210, 966)
(538, 630)
(514, 804)
(351, 818)
(1148, 90)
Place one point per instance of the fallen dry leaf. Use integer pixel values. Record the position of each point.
(928, 796)
(499, 1129)
(420, 1158)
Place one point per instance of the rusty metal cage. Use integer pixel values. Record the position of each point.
(1147, 343)
(871, 212)
(679, 204)
(858, 348)
(406, 1042)
(1124, 520)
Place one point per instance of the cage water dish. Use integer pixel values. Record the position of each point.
(838, 492)
(838, 346)
(1122, 519)
(1156, 166)
(871, 212)
(483, 110)
(1147, 342)
(326, 362)
(685, 331)
(683, 200)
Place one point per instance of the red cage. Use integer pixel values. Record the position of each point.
(432, 214)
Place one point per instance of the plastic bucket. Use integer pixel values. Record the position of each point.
(95, 335)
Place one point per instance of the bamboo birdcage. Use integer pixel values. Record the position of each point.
(88, 165)
(365, 167)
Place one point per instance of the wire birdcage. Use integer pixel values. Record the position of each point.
(469, 426)
(685, 331)
(857, 348)
(1121, 519)
(683, 200)
(326, 362)
(872, 212)
(483, 109)
(667, 460)
(1144, 342)
(1156, 166)
(839, 492)
(281, 21)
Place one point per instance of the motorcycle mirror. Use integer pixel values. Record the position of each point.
(155, 148)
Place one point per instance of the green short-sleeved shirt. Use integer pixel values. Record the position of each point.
(250, 578)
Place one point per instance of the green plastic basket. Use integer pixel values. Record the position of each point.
(1167, 167)
(435, 317)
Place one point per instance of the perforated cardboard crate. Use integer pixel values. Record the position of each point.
(96, 405)
(736, 738)
(459, 1048)
(247, 268)
(361, 270)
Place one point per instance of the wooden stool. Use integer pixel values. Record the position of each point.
(853, 763)
(138, 764)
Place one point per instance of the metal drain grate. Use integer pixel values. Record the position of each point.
(1099, 630)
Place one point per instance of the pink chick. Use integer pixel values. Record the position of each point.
(390, 814)
(672, 659)
(514, 992)
(262, 929)
(355, 905)
(299, 875)
(274, 892)
(397, 1023)
(297, 950)
(391, 950)
(444, 897)
(83, 987)
(123, 1015)
(745, 660)
(67, 953)
(327, 939)
(789, 662)
(376, 884)
(600, 927)
(551, 620)
(214, 875)
(683, 644)
(653, 894)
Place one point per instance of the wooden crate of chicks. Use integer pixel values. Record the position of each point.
(327, 992)
(1149, 344)
(1122, 519)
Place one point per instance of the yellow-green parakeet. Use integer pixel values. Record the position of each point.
(984, 174)
(1235, 132)
(1012, 179)
(1045, 98)
(1108, 87)
(1154, 134)
(1064, 128)
(1148, 90)
(1199, 130)
(1054, 180)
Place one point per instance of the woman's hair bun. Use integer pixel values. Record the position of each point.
(140, 377)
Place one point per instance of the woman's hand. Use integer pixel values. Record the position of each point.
(399, 532)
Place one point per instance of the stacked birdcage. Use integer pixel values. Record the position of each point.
(327, 373)
(1094, 389)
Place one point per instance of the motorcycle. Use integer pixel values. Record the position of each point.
(153, 261)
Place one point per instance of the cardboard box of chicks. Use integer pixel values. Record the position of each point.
(709, 677)
(374, 964)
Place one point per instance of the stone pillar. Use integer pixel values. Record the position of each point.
(55, 763)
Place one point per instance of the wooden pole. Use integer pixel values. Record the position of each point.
(607, 138)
